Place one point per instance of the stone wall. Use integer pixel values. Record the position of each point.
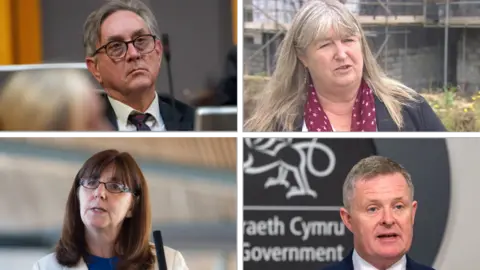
(469, 71)
(412, 55)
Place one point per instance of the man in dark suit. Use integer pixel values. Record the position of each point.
(380, 211)
(124, 55)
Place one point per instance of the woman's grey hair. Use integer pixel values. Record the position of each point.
(369, 168)
(279, 104)
(92, 26)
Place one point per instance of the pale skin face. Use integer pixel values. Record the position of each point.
(334, 62)
(381, 219)
(134, 74)
(117, 206)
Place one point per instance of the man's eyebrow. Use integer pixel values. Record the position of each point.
(399, 199)
(376, 201)
(137, 32)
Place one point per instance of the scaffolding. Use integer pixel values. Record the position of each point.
(266, 22)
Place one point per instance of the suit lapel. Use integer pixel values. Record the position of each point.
(168, 115)
(412, 265)
(384, 120)
(348, 261)
(110, 113)
(409, 264)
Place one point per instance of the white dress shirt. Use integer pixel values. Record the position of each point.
(361, 264)
(122, 111)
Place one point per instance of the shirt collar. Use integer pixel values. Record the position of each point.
(122, 111)
(360, 264)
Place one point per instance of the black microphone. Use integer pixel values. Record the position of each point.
(162, 262)
(168, 55)
(166, 47)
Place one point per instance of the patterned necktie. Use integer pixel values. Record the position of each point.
(139, 121)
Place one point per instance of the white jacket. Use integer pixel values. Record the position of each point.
(173, 257)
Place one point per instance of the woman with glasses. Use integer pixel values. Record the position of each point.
(107, 221)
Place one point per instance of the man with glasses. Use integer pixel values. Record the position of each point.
(124, 55)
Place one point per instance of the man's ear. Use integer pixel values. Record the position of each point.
(93, 68)
(158, 47)
(414, 210)
(159, 51)
(346, 218)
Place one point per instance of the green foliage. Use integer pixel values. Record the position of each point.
(456, 113)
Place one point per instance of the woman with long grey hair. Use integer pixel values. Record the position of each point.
(327, 79)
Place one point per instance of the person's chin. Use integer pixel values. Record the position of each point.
(98, 224)
(391, 252)
(140, 83)
(96, 221)
(345, 81)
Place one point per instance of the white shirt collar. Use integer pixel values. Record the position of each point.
(122, 111)
(360, 264)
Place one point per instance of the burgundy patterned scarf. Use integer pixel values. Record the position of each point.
(363, 114)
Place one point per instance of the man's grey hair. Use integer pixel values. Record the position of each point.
(92, 26)
(369, 168)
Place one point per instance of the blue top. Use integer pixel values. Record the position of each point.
(99, 263)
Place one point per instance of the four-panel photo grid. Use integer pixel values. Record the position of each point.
(239, 134)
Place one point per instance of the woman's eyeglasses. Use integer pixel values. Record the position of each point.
(113, 187)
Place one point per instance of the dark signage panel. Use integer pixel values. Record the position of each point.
(293, 194)
(292, 237)
(299, 171)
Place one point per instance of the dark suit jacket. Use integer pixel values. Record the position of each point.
(347, 264)
(419, 116)
(226, 90)
(180, 119)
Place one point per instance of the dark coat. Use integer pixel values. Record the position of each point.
(347, 264)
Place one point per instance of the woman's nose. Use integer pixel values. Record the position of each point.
(100, 191)
(341, 52)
